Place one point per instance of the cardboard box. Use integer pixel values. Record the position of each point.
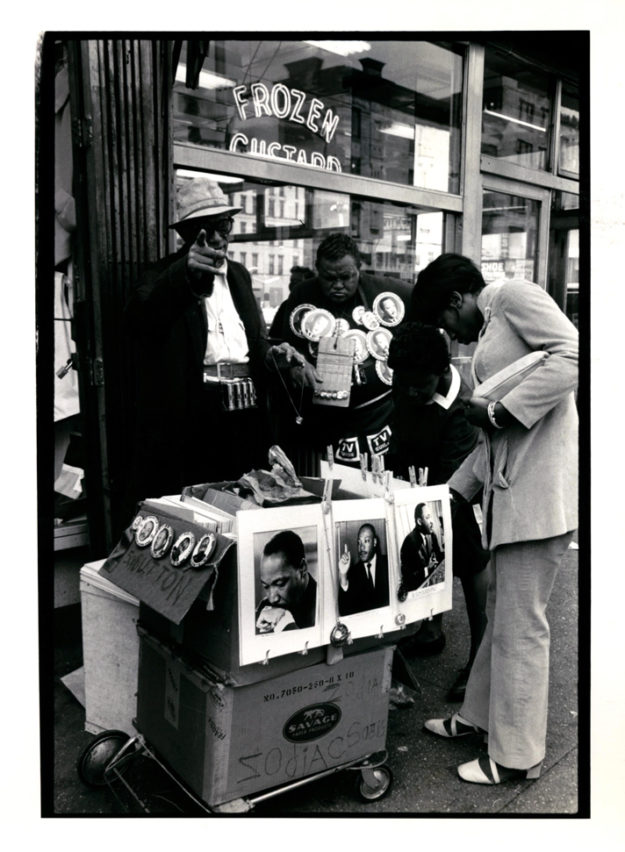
(226, 743)
(110, 652)
(213, 635)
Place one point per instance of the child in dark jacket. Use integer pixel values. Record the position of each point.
(430, 430)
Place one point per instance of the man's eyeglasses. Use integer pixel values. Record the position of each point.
(222, 226)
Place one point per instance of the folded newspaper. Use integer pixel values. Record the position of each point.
(502, 382)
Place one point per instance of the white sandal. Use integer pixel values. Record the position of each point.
(484, 770)
(454, 726)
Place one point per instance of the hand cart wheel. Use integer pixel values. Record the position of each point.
(94, 760)
(373, 784)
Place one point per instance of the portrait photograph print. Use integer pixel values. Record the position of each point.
(280, 582)
(424, 551)
(363, 578)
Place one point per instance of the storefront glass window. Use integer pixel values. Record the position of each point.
(383, 109)
(516, 111)
(569, 133)
(509, 232)
(394, 240)
(572, 276)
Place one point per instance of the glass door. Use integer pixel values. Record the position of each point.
(514, 231)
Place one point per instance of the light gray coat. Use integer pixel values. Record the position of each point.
(529, 471)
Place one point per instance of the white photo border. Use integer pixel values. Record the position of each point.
(253, 647)
(431, 600)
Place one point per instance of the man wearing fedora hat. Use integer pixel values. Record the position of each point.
(201, 356)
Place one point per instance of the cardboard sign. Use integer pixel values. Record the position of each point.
(167, 588)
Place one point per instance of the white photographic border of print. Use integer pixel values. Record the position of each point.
(424, 602)
(371, 622)
(258, 648)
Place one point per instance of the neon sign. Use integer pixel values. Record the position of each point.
(291, 105)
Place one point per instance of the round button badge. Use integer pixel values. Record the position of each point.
(296, 317)
(182, 548)
(389, 308)
(317, 323)
(385, 374)
(378, 342)
(361, 353)
(146, 531)
(162, 541)
(370, 321)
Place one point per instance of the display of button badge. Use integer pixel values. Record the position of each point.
(146, 531)
(341, 326)
(357, 314)
(389, 308)
(203, 550)
(361, 353)
(136, 523)
(370, 321)
(378, 342)
(297, 315)
(385, 374)
(317, 324)
(182, 548)
(162, 541)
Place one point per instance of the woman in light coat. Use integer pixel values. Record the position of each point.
(526, 464)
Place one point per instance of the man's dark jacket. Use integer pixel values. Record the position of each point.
(324, 425)
(359, 596)
(168, 324)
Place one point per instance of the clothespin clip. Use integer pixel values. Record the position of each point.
(412, 476)
(265, 662)
(304, 652)
(363, 466)
(400, 620)
(327, 495)
(375, 468)
(388, 494)
(426, 471)
(381, 633)
(330, 454)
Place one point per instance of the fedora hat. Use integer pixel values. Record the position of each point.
(199, 197)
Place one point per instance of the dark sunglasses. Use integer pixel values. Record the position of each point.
(223, 227)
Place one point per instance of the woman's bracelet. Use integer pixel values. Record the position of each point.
(491, 415)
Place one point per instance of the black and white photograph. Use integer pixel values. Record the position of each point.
(210, 205)
(423, 528)
(363, 578)
(280, 564)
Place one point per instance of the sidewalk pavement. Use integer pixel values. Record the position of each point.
(423, 766)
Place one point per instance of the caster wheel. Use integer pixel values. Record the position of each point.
(375, 783)
(96, 757)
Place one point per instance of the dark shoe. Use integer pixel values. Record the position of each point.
(456, 692)
(418, 646)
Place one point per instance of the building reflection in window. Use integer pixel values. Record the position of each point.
(395, 240)
(509, 232)
(569, 133)
(387, 109)
(516, 111)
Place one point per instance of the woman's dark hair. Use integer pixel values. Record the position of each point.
(289, 544)
(419, 348)
(436, 283)
(336, 246)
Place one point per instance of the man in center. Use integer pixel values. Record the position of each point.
(363, 585)
(364, 425)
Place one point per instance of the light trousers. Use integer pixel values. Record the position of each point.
(507, 690)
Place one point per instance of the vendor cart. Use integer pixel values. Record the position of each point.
(108, 757)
